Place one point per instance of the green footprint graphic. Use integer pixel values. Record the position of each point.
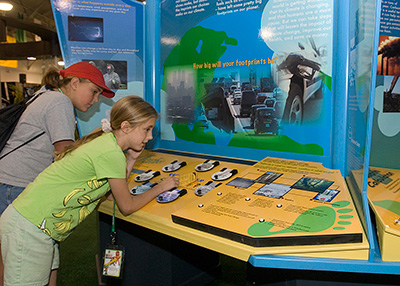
(313, 220)
(389, 205)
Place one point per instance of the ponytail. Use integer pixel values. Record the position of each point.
(130, 108)
(53, 79)
(58, 155)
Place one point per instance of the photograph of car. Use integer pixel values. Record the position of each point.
(237, 96)
(247, 101)
(246, 86)
(299, 70)
(262, 96)
(265, 121)
(253, 113)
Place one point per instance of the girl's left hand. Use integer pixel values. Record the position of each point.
(132, 154)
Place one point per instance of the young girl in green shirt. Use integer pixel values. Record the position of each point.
(65, 193)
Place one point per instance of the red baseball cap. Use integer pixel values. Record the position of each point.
(90, 72)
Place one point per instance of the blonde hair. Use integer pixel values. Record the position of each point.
(131, 108)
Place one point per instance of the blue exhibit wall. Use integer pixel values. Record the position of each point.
(106, 32)
(385, 149)
(363, 46)
(282, 49)
(152, 60)
(204, 50)
(362, 76)
(340, 85)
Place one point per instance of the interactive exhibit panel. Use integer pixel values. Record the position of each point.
(384, 197)
(384, 174)
(252, 91)
(259, 91)
(272, 206)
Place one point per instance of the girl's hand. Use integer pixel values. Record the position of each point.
(132, 154)
(169, 184)
(131, 157)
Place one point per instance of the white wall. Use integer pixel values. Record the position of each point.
(34, 70)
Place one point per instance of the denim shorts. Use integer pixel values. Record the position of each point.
(28, 254)
(8, 194)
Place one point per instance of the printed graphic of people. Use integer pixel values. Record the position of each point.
(112, 263)
(111, 78)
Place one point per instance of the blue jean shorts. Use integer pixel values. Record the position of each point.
(28, 253)
(8, 194)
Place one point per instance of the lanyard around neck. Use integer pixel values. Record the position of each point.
(113, 232)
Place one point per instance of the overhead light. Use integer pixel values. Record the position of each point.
(5, 6)
(30, 62)
(61, 63)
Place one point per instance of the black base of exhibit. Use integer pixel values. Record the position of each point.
(292, 277)
(153, 258)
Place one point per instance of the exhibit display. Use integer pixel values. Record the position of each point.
(282, 131)
(274, 206)
(383, 174)
(383, 189)
(87, 32)
(215, 69)
(278, 202)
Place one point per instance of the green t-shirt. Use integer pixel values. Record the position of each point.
(65, 193)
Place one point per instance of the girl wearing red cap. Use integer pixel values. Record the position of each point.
(65, 193)
(52, 115)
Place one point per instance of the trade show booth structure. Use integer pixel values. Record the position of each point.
(279, 117)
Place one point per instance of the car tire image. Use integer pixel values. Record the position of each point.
(293, 112)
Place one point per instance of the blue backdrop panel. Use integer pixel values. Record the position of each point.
(386, 129)
(283, 54)
(104, 33)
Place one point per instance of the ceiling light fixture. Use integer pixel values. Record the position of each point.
(30, 61)
(61, 63)
(5, 6)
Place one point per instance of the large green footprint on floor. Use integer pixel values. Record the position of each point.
(313, 220)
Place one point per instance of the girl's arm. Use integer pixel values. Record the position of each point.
(131, 157)
(120, 190)
(128, 204)
(59, 145)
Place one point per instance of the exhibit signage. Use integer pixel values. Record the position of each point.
(386, 130)
(108, 34)
(248, 78)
